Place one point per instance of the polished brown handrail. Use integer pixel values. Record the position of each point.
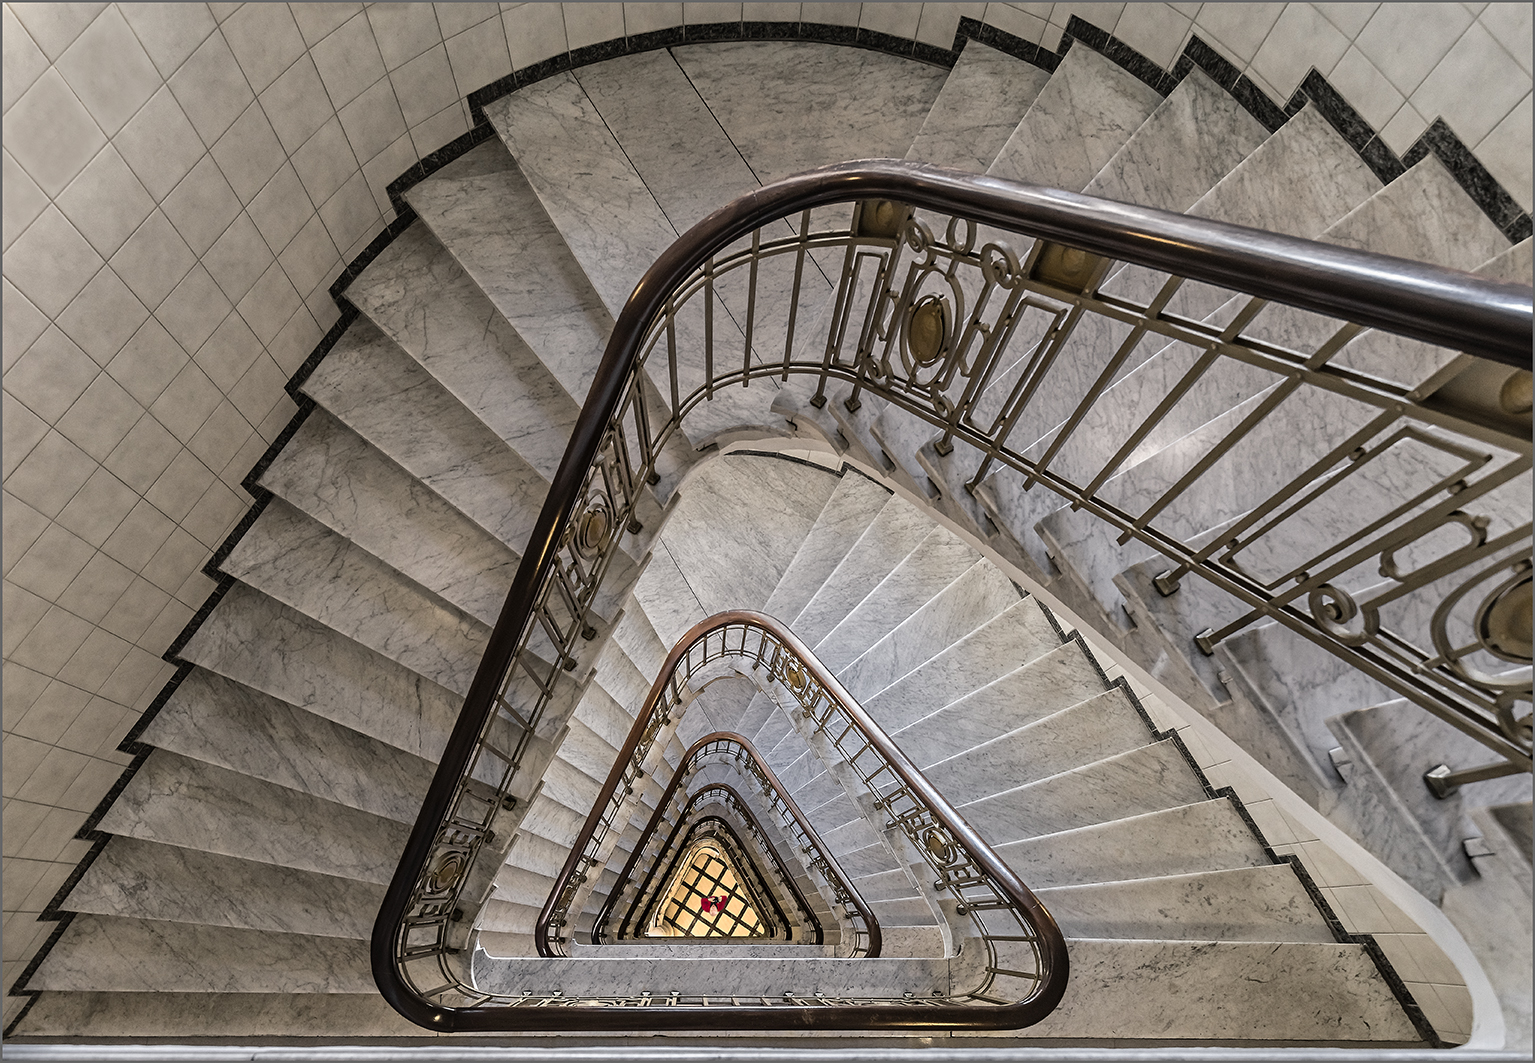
(1435, 305)
(795, 665)
(839, 883)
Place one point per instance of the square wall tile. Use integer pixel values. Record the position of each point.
(22, 526)
(51, 375)
(169, 33)
(24, 201)
(142, 456)
(373, 121)
(1474, 87)
(186, 403)
(109, 71)
(1406, 41)
(1300, 40)
(51, 134)
(99, 508)
(202, 206)
(100, 418)
(647, 18)
(23, 61)
(148, 362)
(403, 31)
(249, 153)
(212, 89)
(47, 648)
(424, 86)
(1506, 153)
(1155, 30)
(159, 144)
(534, 32)
(96, 589)
(140, 535)
(325, 161)
(317, 21)
(348, 60)
(23, 431)
(153, 260)
(194, 309)
(296, 104)
(229, 352)
(238, 258)
(587, 24)
(456, 17)
(281, 208)
(269, 304)
(106, 202)
(23, 324)
(48, 568)
(265, 41)
(311, 259)
(55, 26)
(479, 56)
(1241, 28)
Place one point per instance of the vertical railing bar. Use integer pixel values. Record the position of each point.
(751, 308)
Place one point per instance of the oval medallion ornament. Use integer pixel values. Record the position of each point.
(445, 875)
(593, 528)
(927, 329)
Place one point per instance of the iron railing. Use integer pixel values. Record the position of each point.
(863, 927)
(1345, 472)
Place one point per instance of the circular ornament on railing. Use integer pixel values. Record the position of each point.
(1333, 608)
(446, 874)
(593, 528)
(1516, 724)
(1517, 395)
(927, 330)
(939, 845)
(795, 676)
(1000, 265)
(1500, 626)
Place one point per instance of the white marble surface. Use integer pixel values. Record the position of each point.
(146, 880)
(152, 1015)
(851, 507)
(1097, 728)
(1196, 136)
(256, 640)
(893, 534)
(177, 801)
(982, 101)
(1017, 636)
(1241, 904)
(309, 567)
(1144, 780)
(141, 955)
(212, 719)
(793, 106)
(1240, 990)
(981, 593)
(1056, 680)
(495, 226)
(1203, 836)
(336, 477)
(386, 397)
(1086, 112)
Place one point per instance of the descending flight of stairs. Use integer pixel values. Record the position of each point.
(249, 852)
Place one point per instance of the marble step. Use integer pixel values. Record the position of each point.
(792, 106)
(263, 644)
(1266, 903)
(308, 567)
(854, 504)
(148, 880)
(1239, 990)
(1056, 680)
(1093, 730)
(1148, 779)
(419, 296)
(1084, 115)
(183, 1016)
(520, 885)
(1017, 636)
(939, 560)
(726, 703)
(177, 801)
(639, 642)
(982, 101)
(618, 677)
(1194, 137)
(980, 594)
(342, 481)
(615, 229)
(1206, 835)
(212, 719)
(107, 954)
(893, 534)
(586, 752)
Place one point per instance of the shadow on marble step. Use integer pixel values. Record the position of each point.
(156, 1017)
(1239, 991)
(257, 641)
(1207, 835)
(1385, 750)
(212, 719)
(167, 883)
(1149, 779)
(176, 801)
(1265, 903)
(107, 954)
(982, 101)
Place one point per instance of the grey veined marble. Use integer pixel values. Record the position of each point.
(982, 101)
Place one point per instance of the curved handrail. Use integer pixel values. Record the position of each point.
(832, 872)
(1438, 306)
(961, 857)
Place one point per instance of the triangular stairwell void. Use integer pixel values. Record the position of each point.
(240, 864)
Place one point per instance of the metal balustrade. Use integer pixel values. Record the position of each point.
(1397, 537)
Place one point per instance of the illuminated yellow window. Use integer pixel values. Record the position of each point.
(707, 899)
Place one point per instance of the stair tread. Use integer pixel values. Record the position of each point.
(419, 296)
(159, 1016)
(338, 478)
(104, 953)
(854, 504)
(1082, 116)
(212, 719)
(981, 102)
(168, 883)
(307, 566)
(177, 801)
(258, 641)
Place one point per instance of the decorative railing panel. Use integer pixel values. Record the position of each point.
(1364, 491)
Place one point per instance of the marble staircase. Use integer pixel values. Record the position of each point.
(248, 854)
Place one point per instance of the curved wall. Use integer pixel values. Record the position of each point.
(183, 183)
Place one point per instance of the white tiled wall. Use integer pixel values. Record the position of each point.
(183, 181)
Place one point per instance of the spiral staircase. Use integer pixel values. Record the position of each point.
(247, 852)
